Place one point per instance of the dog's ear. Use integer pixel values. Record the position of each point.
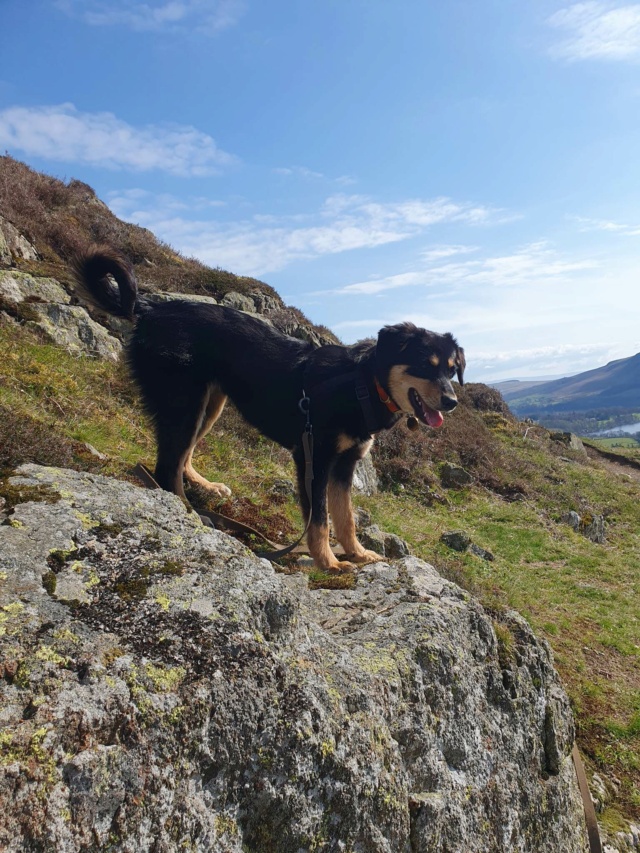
(392, 340)
(460, 363)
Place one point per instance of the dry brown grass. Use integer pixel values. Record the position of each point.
(61, 218)
(468, 437)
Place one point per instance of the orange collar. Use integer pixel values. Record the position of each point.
(385, 398)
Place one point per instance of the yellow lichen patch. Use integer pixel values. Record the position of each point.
(65, 635)
(164, 680)
(93, 580)
(163, 600)
(8, 612)
(13, 609)
(50, 655)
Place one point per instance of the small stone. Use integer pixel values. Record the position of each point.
(285, 488)
(454, 477)
(362, 517)
(481, 552)
(373, 539)
(458, 540)
(395, 547)
(94, 452)
(572, 519)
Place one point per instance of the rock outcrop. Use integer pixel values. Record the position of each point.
(14, 245)
(42, 303)
(163, 689)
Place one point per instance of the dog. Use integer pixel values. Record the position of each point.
(187, 358)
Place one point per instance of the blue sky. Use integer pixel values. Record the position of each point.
(471, 165)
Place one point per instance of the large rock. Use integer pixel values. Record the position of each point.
(42, 303)
(17, 287)
(70, 327)
(365, 478)
(14, 245)
(163, 689)
(171, 296)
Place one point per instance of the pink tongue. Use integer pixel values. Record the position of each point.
(434, 418)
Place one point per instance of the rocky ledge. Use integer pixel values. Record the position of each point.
(163, 689)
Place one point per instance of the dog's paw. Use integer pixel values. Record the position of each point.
(219, 489)
(339, 566)
(366, 557)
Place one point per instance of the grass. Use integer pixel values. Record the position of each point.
(582, 597)
(616, 442)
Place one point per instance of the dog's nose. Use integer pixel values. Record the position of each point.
(448, 403)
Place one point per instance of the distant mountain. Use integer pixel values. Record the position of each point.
(614, 386)
(516, 387)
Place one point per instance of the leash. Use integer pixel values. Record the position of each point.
(595, 845)
(307, 446)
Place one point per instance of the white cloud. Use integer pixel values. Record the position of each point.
(598, 30)
(264, 244)
(310, 175)
(205, 16)
(297, 172)
(606, 225)
(63, 133)
(529, 265)
(437, 253)
(554, 361)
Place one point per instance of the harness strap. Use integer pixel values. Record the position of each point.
(363, 397)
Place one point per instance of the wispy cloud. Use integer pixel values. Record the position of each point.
(204, 16)
(586, 224)
(598, 30)
(264, 244)
(307, 174)
(528, 265)
(63, 133)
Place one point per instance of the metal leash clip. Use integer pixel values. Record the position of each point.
(304, 404)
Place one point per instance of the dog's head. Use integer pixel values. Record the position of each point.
(416, 368)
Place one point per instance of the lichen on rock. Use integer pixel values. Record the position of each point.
(193, 698)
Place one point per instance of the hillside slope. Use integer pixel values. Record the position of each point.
(58, 408)
(616, 385)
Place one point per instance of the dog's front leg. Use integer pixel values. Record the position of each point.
(341, 510)
(318, 532)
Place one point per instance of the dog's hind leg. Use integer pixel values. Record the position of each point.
(341, 510)
(177, 408)
(213, 406)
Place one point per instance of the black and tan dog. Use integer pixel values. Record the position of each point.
(187, 358)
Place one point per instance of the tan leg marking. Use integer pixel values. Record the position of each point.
(212, 409)
(344, 442)
(341, 512)
(323, 556)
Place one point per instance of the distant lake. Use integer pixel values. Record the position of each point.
(630, 429)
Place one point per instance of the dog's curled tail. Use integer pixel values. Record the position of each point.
(90, 270)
